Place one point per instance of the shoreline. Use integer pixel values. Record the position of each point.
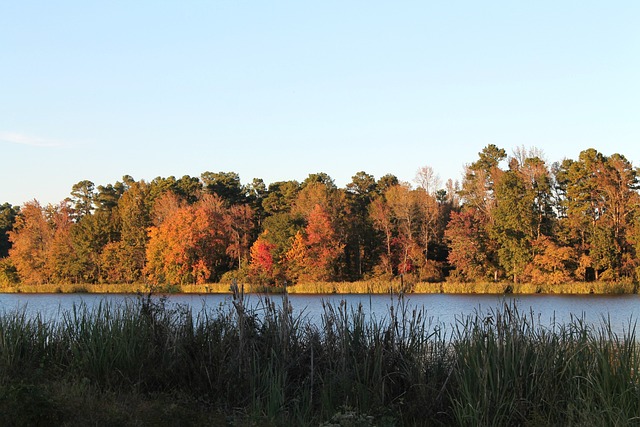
(326, 288)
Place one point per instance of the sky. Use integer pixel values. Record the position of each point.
(278, 90)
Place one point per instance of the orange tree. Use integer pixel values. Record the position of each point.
(190, 245)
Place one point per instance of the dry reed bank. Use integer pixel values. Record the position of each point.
(374, 286)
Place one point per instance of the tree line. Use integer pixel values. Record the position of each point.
(511, 218)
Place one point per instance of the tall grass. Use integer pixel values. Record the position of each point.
(512, 371)
(268, 366)
(371, 286)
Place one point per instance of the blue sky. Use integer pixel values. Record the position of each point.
(278, 90)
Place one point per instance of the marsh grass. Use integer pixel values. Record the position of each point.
(372, 286)
(136, 362)
(512, 371)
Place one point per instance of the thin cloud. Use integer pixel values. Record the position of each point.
(22, 139)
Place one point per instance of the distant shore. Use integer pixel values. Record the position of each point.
(361, 287)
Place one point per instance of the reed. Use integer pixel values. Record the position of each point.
(371, 286)
(505, 287)
(67, 288)
(262, 364)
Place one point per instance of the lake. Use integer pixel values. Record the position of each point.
(444, 309)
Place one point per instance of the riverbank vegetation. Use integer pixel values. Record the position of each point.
(515, 221)
(395, 286)
(152, 362)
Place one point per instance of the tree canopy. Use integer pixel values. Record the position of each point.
(513, 217)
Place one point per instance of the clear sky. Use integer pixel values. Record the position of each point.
(277, 90)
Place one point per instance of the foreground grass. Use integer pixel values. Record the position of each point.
(373, 286)
(154, 363)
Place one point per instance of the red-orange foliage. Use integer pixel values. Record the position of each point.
(552, 264)
(42, 249)
(313, 254)
(189, 245)
(323, 248)
(469, 243)
(295, 259)
(30, 238)
(165, 206)
(262, 264)
(61, 256)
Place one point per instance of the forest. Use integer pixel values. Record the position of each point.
(513, 218)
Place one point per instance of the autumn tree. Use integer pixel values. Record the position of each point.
(42, 250)
(190, 245)
(381, 217)
(318, 193)
(634, 240)
(295, 260)
(619, 184)
(319, 190)
(323, 246)
(61, 259)
(471, 252)
(281, 228)
(30, 239)
(552, 263)
(313, 254)
(165, 206)
(430, 233)
(510, 215)
(238, 220)
(262, 267)
(428, 216)
(402, 203)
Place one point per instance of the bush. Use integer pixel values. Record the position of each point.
(431, 272)
(8, 273)
(455, 276)
(27, 405)
(240, 275)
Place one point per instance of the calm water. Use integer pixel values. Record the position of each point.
(622, 310)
